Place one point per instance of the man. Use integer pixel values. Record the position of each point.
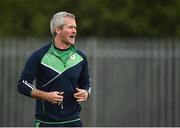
(61, 74)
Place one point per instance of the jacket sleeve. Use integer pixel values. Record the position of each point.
(85, 80)
(28, 75)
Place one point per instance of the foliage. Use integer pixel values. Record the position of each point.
(102, 18)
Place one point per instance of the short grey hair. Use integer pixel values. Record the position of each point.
(58, 20)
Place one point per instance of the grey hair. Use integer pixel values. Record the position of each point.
(58, 20)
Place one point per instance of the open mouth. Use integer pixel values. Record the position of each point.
(72, 36)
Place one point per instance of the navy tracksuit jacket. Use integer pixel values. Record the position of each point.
(46, 68)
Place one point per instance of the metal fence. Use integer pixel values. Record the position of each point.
(135, 82)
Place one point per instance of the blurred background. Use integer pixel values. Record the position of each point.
(133, 51)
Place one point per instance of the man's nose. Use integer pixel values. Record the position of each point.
(74, 30)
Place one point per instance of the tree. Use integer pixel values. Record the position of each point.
(102, 18)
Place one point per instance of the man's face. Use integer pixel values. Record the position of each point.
(68, 31)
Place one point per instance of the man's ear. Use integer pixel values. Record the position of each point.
(58, 30)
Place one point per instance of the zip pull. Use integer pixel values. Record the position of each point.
(60, 104)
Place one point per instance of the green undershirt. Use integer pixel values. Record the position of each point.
(64, 54)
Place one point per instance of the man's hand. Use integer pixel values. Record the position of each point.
(55, 97)
(81, 95)
(52, 97)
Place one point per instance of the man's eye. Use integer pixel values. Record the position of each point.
(72, 27)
